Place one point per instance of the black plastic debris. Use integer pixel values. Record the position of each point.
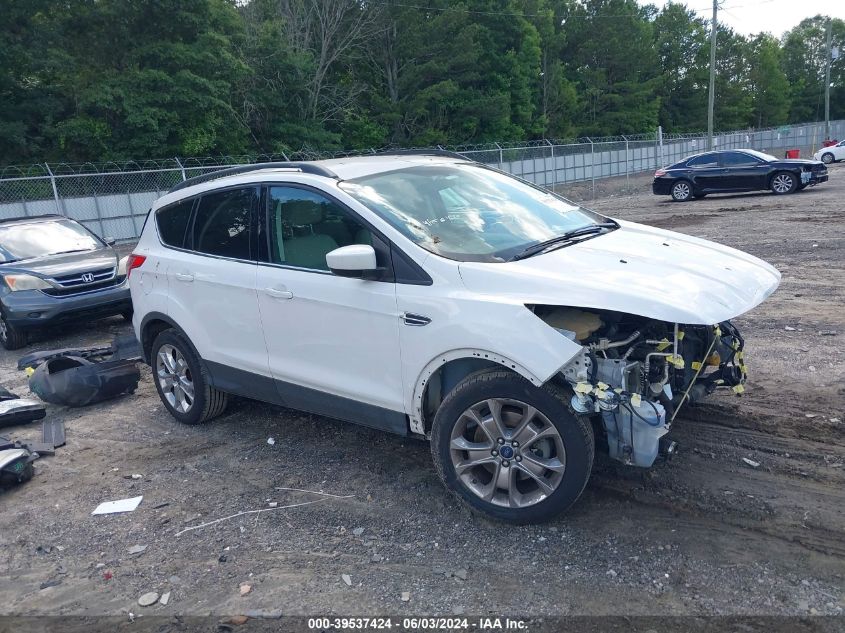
(53, 433)
(16, 465)
(124, 347)
(20, 411)
(75, 381)
(15, 410)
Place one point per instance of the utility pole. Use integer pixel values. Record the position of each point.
(712, 96)
(827, 83)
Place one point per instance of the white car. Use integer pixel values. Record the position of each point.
(831, 154)
(430, 296)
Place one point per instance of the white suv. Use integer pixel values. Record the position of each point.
(427, 295)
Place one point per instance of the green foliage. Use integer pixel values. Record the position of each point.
(803, 63)
(116, 79)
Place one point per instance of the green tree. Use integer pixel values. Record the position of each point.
(681, 40)
(769, 86)
(614, 64)
(27, 101)
(803, 61)
(733, 107)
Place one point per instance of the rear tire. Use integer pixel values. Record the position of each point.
(681, 191)
(783, 182)
(182, 380)
(532, 430)
(11, 337)
(828, 158)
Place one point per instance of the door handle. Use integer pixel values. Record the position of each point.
(278, 293)
(184, 277)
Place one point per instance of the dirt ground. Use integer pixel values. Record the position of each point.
(702, 534)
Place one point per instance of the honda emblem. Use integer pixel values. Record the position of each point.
(87, 277)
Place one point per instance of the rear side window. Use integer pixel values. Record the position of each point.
(172, 223)
(705, 160)
(222, 221)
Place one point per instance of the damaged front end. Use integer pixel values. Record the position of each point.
(636, 373)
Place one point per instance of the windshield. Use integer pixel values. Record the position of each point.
(467, 212)
(760, 155)
(39, 239)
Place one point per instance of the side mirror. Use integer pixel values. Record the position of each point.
(111, 241)
(355, 260)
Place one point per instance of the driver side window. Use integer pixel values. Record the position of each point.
(305, 225)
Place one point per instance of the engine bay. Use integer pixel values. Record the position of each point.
(637, 373)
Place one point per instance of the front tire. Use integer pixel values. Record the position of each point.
(828, 158)
(783, 182)
(682, 191)
(11, 337)
(510, 450)
(182, 381)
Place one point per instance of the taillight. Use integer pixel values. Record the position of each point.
(659, 173)
(134, 261)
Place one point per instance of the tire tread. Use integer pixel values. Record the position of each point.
(214, 401)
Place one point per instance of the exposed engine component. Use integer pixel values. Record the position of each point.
(637, 373)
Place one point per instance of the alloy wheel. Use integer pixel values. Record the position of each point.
(827, 159)
(4, 329)
(174, 378)
(681, 191)
(507, 453)
(782, 183)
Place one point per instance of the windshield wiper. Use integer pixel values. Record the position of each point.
(562, 240)
(75, 250)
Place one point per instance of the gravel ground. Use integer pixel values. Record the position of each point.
(702, 534)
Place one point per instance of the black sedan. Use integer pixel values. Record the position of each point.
(730, 171)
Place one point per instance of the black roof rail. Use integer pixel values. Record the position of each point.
(422, 152)
(304, 167)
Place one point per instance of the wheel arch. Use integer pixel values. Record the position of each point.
(795, 172)
(442, 373)
(153, 324)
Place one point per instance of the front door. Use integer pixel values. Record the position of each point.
(333, 341)
(743, 172)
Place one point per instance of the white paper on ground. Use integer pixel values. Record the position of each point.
(122, 505)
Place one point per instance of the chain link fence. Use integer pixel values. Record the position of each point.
(112, 199)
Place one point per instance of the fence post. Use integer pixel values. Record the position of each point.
(100, 214)
(178, 162)
(627, 158)
(554, 166)
(593, 165)
(660, 144)
(59, 208)
(501, 162)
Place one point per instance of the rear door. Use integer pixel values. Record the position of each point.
(212, 292)
(742, 172)
(705, 172)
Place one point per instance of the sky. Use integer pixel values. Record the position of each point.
(752, 16)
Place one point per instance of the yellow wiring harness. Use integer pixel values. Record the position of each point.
(717, 332)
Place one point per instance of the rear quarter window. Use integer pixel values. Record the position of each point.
(172, 223)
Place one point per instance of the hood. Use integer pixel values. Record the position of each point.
(635, 269)
(797, 161)
(69, 263)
